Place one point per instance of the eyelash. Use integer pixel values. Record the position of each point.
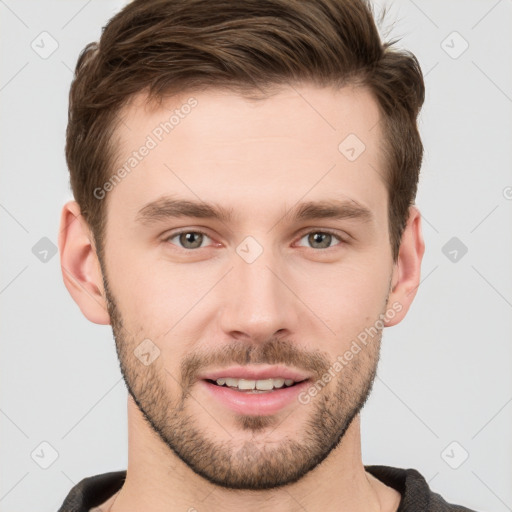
(316, 231)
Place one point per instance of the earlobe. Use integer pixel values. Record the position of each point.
(407, 269)
(80, 267)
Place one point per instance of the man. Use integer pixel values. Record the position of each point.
(245, 175)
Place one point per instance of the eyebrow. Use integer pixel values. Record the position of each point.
(169, 207)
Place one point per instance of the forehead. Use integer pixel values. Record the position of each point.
(220, 115)
(217, 145)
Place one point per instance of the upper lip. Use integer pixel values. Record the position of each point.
(258, 372)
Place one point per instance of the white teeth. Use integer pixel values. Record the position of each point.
(247, 384)
(278, 383)
(265, 385)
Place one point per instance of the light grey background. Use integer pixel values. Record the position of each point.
(445, 373)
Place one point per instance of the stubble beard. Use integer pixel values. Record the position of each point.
(241, 463)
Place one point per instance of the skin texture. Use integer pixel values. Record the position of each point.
(301, 302)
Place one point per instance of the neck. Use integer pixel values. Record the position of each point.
(158, 481)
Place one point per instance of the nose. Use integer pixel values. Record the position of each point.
(257, 299)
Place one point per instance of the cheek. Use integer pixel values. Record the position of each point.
(347, 298)
(155, 296)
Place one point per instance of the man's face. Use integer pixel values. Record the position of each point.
(274, 290)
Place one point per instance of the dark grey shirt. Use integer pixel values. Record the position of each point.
(416, 494)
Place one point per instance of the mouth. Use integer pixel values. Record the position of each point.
(255, 390)
(254, 386)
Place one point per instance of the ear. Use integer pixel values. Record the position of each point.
(80, 266)
(406, 271)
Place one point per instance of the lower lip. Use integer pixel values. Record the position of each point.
(260, 404)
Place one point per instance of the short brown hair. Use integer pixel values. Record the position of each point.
(169, 46)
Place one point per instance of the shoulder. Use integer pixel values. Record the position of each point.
(416, 493)
(93, 491)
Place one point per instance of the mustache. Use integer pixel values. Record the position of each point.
(273, 351)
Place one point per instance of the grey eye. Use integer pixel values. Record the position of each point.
(320, 239)
(189, 239)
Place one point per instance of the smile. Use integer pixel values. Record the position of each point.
(254, 386)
